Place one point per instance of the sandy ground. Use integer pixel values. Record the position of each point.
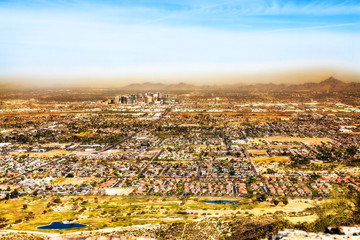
(271, 159)
(310, 218)
(105, 230)
(51, 153)
(4, 232)
(119, 191)
(78, 181)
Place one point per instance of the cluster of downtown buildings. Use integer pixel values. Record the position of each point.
(145, 98)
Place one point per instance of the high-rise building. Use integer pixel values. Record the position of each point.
(123, 100)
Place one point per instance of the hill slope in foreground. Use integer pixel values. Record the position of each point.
(241, 229)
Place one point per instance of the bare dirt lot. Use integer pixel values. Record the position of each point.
(283, 159)
(76, 181)
(51, 153)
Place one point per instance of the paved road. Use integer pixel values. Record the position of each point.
(152, 159)
(226, 140)
(256, 173)
(251, 162)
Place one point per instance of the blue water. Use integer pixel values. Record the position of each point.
(221, 201)
(60, 225)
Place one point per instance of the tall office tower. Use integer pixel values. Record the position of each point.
(132, 99)
(139, 97)
(149, 99)
(123, 100)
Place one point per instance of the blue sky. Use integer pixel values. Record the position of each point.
(110, 38)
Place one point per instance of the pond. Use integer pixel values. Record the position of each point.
(60, 225)
(221, 201)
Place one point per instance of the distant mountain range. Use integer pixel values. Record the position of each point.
(148, 86)
(329, 85)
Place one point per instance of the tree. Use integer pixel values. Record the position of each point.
(275, 201)
(15, 193)
(261, 197)
(351, 150)
(3, 222)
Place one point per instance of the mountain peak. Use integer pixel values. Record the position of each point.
(332, 80)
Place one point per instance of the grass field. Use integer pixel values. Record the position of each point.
(108, 212)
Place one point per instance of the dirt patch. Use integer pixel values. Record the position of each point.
(48, 154)
(74, 181)
(283, 159)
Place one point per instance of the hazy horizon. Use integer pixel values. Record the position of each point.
(199, 42)
(297, 76)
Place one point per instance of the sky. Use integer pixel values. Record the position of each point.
(60, 38)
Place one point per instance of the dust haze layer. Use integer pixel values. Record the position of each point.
(198, 81)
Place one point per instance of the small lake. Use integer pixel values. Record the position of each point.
(221, 201)
(60, 225)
